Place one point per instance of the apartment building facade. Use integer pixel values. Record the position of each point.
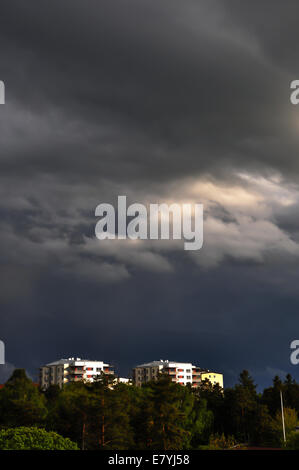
(213, 377)
(72, 370)
(182, 373)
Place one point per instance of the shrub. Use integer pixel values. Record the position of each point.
(293, 441)
(221, 442)
(32, 438)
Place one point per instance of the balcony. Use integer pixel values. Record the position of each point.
(74, 379)
(76, 370)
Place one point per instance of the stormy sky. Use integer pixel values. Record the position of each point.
(162, 101)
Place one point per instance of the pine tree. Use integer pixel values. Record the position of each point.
(21, 402)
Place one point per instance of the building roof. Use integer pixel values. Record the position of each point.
(165, 363)
(71, 360)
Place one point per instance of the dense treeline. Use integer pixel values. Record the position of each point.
(159, 415)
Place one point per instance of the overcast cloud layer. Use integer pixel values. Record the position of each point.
(163, 101)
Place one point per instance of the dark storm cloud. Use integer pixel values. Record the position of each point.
(274, 29)
(147, 98)
(128, 88)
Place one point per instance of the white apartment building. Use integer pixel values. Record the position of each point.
(123, 380)
(72, 370)
(182, 373)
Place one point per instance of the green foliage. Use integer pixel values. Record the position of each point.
(291, 421)
(213, 396)
(163, 417)
(170, 417)
(200, 423)
(31, 438)
(292, 441)
(290, 391)
(241, 408)
(21, 402)
(271, 396)
(93, 415)
(111, 418)
(221, 442)
(160, 415)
